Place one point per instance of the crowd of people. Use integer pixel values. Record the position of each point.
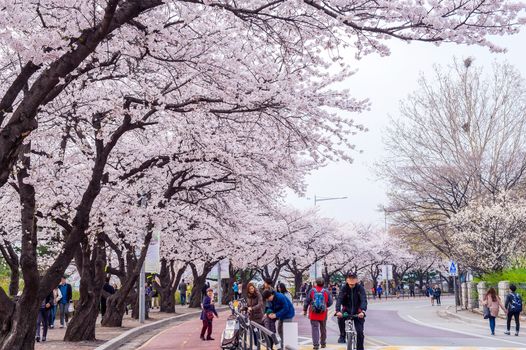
(58, 300)
(272, 306)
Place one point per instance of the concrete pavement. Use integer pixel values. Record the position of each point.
(393, 325)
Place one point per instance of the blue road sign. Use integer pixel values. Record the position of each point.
(453, 271)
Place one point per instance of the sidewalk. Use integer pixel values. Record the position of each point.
(55, 336)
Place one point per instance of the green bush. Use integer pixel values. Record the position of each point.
(514, 276)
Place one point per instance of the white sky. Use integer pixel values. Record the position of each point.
(386, 81)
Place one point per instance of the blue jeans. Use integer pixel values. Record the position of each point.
(63, 313)
(52, 314)
(183, 298)
(492, 324)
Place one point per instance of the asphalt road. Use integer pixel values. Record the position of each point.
(391, 325)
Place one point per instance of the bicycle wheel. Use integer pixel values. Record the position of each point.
(350, 342)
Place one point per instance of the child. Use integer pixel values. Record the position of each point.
(207, 315)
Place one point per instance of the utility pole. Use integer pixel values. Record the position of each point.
(219, 286)
(142, 299)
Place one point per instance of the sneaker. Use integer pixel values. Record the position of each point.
(323, 346)
(492, 333)
(43, 338)
(210, 338)
(202, 337)
(61, 326)
(38, 339)
(507, 332)
(52, 326)
(516, 334)
(315, 347)
(341, 340)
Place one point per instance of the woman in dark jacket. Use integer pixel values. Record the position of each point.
(207, 315)
(254, 304)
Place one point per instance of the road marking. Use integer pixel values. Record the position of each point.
(462, 332)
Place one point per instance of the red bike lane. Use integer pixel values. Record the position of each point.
(186, 336)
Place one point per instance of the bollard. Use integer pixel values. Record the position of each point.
(504, 287)
(473, 299)
(464, 288)
(482, 288)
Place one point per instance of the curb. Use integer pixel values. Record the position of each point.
(133, 333)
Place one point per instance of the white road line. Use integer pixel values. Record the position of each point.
(462, 332)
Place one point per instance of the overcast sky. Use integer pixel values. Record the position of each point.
(386, 81)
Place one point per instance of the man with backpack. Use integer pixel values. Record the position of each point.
(513, 307)
(317, 302)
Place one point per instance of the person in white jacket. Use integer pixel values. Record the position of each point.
(57, 295)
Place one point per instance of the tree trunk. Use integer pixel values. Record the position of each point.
(17, 331)
(116, 303)
(170, 280)
(199, 282)
(298, 281)
(82, 326)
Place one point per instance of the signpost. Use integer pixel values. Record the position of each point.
(453, 272)
(387, 273)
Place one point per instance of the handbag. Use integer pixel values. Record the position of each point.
(71, 308)
(486, 312)
(209, 315)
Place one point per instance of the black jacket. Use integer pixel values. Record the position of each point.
(352, 300)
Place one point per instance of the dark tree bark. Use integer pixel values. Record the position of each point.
(170, 279)
(12, 260)
(298, 272)
(273, 274)
(47, 85)
(19, 319)
(199, 282)
(128, 274)
(91, 262)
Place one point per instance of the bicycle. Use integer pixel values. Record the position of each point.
(350, 331)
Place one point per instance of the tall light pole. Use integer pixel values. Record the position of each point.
(316, 200)
(142, 301)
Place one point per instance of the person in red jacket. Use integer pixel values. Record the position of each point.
(317, 302)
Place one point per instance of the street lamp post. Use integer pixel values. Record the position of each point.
(316, 200)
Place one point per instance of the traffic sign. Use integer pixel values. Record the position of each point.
(453, 270)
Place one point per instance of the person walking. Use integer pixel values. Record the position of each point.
(379, 291)
(353, 301)
(437, 292)
(303, 291)
(57, 295)
(235, 288)
(67, 296)
(513, 305)
(412, 290)
(207, 315)
(317, 303)
(240, 289)
(431, 295)
(373, 292)
(492, 301)
(43, 317)
(182, 292)
(283, 290)
(281, 309)
(107, 291)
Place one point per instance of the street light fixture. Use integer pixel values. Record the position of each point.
(322, 199)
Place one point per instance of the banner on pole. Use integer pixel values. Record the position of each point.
(153, 258)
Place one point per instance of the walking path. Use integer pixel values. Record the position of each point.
(394, 325)
(55, 336)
